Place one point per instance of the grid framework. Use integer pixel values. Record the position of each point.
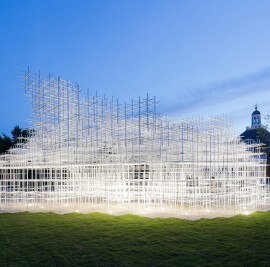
(87, 150)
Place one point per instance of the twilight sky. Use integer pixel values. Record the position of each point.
(197, 57)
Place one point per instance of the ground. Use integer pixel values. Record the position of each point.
(49, 239)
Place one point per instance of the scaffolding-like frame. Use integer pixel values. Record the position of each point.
(84, 151)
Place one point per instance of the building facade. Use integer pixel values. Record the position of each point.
(257, 133)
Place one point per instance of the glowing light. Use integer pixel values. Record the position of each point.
(87, 150)
(77, 210)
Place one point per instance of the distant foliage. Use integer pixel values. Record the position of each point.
(263, 135)
(6, 142)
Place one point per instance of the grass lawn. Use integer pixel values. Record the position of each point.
(49, 239)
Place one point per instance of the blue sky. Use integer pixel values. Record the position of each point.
(196, 57)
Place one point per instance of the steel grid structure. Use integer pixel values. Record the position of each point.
(87, 150)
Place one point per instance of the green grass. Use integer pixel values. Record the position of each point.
(48, 239)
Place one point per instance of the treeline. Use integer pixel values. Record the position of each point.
(7, 142)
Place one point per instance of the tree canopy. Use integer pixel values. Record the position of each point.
(7, 142)
(264, 136)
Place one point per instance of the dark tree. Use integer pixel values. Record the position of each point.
(16, 132)
(7, 142)
(264, 136)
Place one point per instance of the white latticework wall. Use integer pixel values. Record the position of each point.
(85, 152)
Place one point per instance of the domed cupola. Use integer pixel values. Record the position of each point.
(256, 118)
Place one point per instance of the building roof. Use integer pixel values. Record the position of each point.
(257, 134)
(256, 112)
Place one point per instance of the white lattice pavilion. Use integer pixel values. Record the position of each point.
(86, 153)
